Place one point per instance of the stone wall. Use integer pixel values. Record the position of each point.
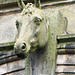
(7, 1)
(65, 63)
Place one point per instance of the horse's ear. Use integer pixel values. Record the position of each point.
(37, 3)
(21, 4)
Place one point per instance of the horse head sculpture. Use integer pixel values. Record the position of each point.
(32, 29)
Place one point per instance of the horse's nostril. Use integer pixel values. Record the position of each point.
(23, 46)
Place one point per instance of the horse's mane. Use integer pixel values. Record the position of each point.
(28, 9)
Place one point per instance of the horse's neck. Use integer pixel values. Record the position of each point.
(44, 62)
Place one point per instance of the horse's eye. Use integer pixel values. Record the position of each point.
(17, 24)
(37, 21)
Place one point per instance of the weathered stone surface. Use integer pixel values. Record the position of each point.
(3, 68)
(67, 69)
(68, 45)
(16, 65)
(7, 1)
(65, 74)
(10, 67)
(68, 11)
(66, 48)
(18, 73)
(66, 59)
(7, 28)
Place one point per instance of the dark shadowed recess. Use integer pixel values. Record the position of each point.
(9, 3)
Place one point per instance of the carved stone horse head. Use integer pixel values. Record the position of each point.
(32, 30)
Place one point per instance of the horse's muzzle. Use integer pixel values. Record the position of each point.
(20, 50)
